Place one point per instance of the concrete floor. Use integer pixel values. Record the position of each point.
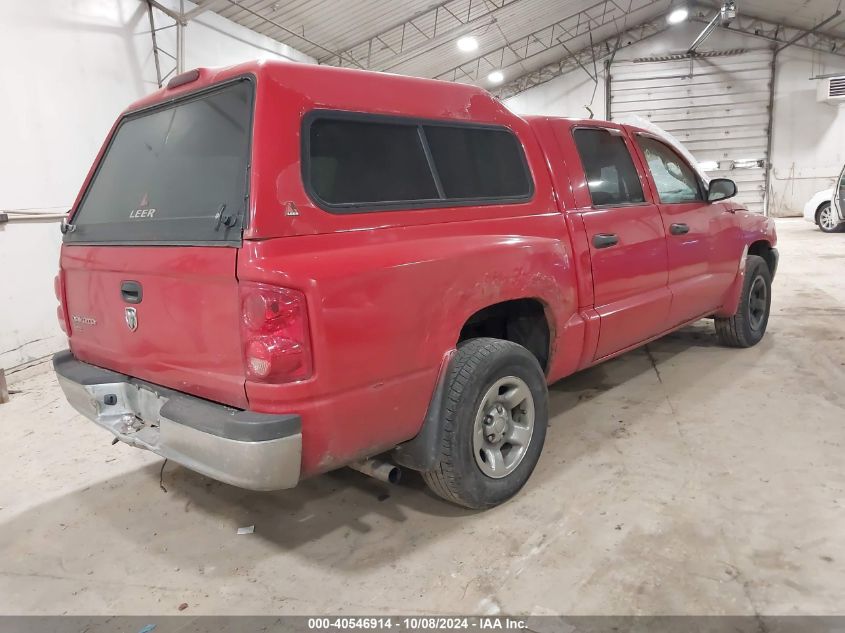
(710, 482)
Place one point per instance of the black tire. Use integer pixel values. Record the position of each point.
(825, 226)
(478, 366)
(747, 327)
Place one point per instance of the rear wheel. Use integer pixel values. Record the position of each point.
(827, 220)
(494, 425)
(747, 327)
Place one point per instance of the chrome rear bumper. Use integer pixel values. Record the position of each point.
(250, 450)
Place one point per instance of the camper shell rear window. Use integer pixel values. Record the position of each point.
(355, 162)
(175, 173)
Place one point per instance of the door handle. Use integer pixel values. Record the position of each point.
(131, 291)
(679, 229)
(605, 240)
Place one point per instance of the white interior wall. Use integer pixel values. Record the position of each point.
(809, 137)
(808, 151)
(568, 95)
(68, 70)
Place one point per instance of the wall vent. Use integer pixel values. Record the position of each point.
(832, 90)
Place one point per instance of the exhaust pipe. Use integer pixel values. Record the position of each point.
(379, 469)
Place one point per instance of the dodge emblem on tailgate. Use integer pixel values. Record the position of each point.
(131, 318)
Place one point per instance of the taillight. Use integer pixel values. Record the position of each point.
(274, 325)
(61, 312)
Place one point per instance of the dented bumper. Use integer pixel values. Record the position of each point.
(250, 450)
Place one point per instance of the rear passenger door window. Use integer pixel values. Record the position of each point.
(611, 176)
(676, 182)
(353, 163)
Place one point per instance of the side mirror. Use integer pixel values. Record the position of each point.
(721, 189)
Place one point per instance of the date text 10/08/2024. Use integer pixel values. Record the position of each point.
(416, 623)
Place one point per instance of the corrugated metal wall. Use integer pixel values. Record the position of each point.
(718, 107)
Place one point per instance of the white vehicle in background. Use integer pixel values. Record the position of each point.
(826, 209)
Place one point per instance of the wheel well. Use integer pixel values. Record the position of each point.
(819, 209)
(764, 250)
(522, 321)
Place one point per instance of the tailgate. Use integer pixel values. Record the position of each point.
(184, 331)
(149, 257)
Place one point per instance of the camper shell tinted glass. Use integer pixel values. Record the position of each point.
(476, 163)
(176, 173)
(355, 162)
(363, 161)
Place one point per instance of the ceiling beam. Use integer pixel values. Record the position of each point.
(173, 15)
(811, 31)
(281, 27)
(555, 35)
(601, 50)
(785, 34)
(202, 7)
(420, 33)
(779, 34)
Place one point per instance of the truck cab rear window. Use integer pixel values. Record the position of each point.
(169, 174)
(372, 163)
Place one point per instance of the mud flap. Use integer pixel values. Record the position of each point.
(420, 453)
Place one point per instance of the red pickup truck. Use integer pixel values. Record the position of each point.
(275, 270)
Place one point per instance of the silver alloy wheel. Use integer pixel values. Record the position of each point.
(758, 302)
(826, 218)
(504, 424)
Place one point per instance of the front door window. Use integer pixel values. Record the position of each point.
(676, 182)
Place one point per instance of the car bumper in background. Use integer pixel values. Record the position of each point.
(250, 450)
(813, 204)
(810, 213)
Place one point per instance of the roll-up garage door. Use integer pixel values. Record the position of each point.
(717, 105)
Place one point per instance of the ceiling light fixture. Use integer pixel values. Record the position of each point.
(727, 13)
(467, 43)
(496, 77)
(678, 15)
